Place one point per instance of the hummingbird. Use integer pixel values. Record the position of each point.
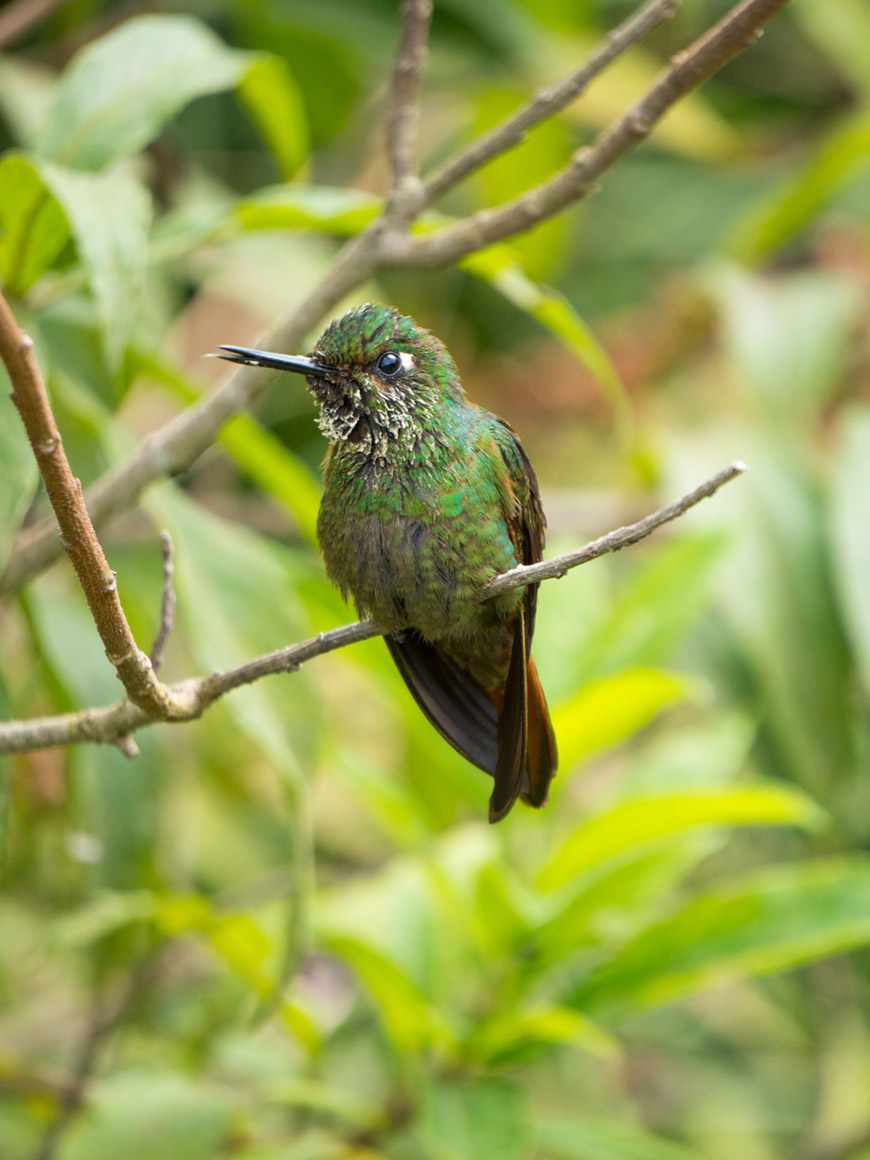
(426, 498)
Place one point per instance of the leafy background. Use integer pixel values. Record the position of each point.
(285, 932)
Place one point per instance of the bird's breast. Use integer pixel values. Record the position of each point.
(413, 549)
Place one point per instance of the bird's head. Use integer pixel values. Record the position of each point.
(374, 372)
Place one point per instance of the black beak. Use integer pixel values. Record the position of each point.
(299, 364)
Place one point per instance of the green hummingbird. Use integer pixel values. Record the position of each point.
(426, 498)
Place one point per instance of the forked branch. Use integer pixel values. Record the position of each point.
(111, 722)
(389, 241)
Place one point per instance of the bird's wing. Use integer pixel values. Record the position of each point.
(525, 721)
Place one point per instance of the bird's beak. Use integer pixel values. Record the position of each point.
(297, 363)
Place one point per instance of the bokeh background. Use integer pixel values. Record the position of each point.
(285, 932)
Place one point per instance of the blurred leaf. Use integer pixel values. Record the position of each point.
(841, 29)
(410, 1022)
(108, 214)
(616, 899)
(120, 90)
(260, 454)
(238, 596)
(244, 946)
(631, 826)
(498, 266)
(536, 158)
(652, 609)
(768, 921)
(272, 98)
(591, 1138)
(33, 226)
(26, 97)
(108, 912)
(604, 712)
(149, 1116)
(778, 216)
(323, 1097)
(787, 337)
(851, 487)
(510, 1037)
(320, 207)
(476, 1120)
(18, 472)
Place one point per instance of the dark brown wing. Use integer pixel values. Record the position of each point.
(462, 711)
(523, 692)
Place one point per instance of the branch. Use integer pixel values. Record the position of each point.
(167, 604)
(547, 101)
(613, 541)
(112, 722)
(173, 448)
(76, 530)
(404, 115)
(688, 69)
(385, 243)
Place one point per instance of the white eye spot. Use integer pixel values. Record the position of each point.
(407, 360)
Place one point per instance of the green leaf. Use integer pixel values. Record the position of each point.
(498, 266)
(318, 207)
(778, 216)
(653, 608)
(242, 943)
(767, 921)
(604, 712)
(476, 1120)
(238, 596)
(851, 487)
(272, 98)
(590, 1138)
(788, 339)
(629, 829)
(521, 1035)
(120, 90)
(841, 29)
(33, 226)
(26, 96)
(411, 1023)
(261, 455)
(108, 214)
(151, 1117)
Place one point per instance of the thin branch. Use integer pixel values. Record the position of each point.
(173, 448)
(167, 604)
(77, 532)
(404, 115)
(111, 722)
(688, 69)
(613, 542)
(547, 101)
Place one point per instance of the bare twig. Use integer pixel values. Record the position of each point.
(20, 16)
(547, 101)
(176, 446)
(77, 532)
(404, 114)
(167, 604)
(109, 723)
(687, 70)
(614, 541)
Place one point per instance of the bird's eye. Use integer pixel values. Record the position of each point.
(390, 363)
